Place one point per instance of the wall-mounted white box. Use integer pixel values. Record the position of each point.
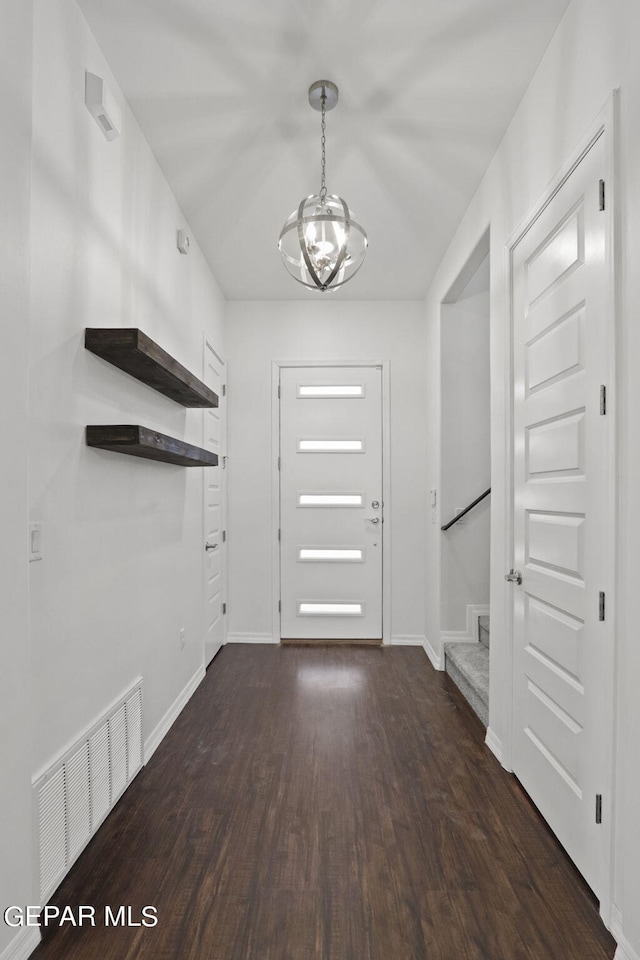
(102, 105)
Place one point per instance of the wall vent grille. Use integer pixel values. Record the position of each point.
(74, 795)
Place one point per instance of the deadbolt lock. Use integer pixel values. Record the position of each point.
(375, 504)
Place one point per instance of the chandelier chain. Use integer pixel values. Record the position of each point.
(323, 140)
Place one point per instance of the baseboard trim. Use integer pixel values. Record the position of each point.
(456, 636)
(494, 743)
(22, 945)
(153, 741)
(625, 951)
(614, 919)
(436, 659)
(471, 631)
(474, 612)
(251, 638)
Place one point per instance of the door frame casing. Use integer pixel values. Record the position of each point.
(276, 366)
(606, 124)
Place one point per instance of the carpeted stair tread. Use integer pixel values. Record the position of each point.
(468, 666)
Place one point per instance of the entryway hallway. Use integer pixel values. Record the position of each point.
(323, 803)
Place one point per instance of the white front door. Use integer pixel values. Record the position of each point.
(331, 516)
(214, 508)
(562, 342)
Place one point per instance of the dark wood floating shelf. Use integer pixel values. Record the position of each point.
(134, 352)
(137, 441)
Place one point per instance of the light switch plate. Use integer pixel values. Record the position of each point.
(35, 541)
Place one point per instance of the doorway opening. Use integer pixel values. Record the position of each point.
(465, 480)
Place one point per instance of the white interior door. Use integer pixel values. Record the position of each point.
(215, 545)
(331, 493)
(562, 518)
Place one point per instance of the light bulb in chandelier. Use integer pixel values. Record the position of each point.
(322, 244)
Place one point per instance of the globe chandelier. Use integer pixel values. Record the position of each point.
(321, 243)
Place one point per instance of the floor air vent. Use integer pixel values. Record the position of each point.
(76, 793)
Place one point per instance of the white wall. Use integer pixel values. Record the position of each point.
(321, 329)
(465, 455)
(15, 712)
(593, 52)
(122, 567)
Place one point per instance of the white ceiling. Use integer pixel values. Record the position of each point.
(427, 88)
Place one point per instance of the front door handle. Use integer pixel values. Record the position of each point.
(212, 546)
(514, 576)
(372, 519)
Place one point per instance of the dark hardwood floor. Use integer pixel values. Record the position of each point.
(321, 803)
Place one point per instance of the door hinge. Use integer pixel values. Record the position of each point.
(603, 400)
(279, 463)
(279, 606)
(279, 534)
(601, 606)
(224, 608)
(278, 391)
(601, 194)
(224, 463)
(224, 389)
(598, 808)
(224, 536)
